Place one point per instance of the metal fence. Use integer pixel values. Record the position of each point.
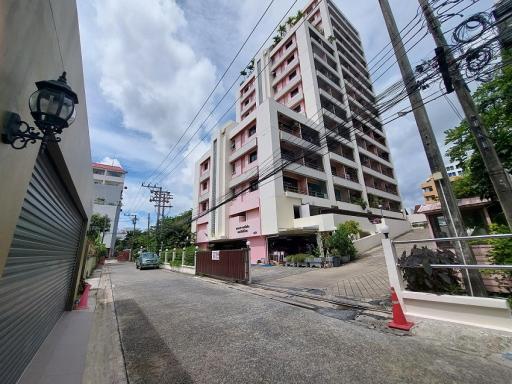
(233, 265)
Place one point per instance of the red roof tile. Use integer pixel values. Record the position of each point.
(108, 167)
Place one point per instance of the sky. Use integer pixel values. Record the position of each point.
(150, 66)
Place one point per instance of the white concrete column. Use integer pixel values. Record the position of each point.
(166, 261)
(183, 257)
(395, 278)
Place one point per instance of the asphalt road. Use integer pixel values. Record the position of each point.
(182, 329)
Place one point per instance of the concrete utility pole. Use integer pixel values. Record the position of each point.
(134, 221)
(499, 177)
(149, 219)
(472, 279)
(160, 198)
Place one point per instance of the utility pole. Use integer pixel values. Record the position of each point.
(149, 218)
(499, 177)
(449, 207)
(161, 198)
(134, 221)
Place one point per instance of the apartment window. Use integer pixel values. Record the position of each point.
(290, 59)
(296, 211)
(253, 157)
(205, 166)
(288, 44)
(253, 186)
(298, 108)
(233, 145)
(242, 218)
(294, 92)
(204, 185)
(233, 169)
(98, 171)
(252, 131)
(204, 206)
(292, 75)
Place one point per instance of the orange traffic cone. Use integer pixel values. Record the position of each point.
(399, 321)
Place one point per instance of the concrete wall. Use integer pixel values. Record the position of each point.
(28, 53)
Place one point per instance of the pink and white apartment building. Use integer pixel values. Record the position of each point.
(312, 103)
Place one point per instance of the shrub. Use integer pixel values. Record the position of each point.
(420, 277)
(340, 242)
(501, 252)
(297, 258)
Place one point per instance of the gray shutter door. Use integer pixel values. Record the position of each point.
(36, 282)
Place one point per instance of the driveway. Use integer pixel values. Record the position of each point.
(364, 279)
(182, 329)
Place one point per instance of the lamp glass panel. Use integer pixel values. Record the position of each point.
(49, 101)
(67, 109)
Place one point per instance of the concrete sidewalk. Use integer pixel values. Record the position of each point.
(61, 358)
(84, 345)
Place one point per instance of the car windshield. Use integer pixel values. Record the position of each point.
(149, 255)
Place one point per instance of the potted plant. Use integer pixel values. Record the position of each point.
(340, 242)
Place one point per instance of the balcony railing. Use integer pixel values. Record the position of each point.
(294, 189)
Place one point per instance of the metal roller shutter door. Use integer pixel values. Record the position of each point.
(36, 282)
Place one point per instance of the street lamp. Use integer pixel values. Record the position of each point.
(52, 107)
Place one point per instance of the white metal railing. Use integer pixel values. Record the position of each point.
(464, 266)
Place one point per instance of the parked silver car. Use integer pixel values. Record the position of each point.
(147, 260)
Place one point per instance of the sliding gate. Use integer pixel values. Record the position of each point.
(231, 264)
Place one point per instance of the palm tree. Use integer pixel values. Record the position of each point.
(299, 15)
(243, 72)
(250, 66)
(290, 21)
(281, 30)
(331, 39)
(277, 39)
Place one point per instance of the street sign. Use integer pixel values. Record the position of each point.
(215, 255)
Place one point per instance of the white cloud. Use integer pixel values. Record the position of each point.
(110, 161)
(153, 78)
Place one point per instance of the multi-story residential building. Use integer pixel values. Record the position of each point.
(430, 193)
(310, 101)
(108, 193)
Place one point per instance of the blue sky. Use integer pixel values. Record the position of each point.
(150, 65)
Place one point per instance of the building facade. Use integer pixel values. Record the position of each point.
(429, 189)
(108, 195)
(46, 195)
(308, 111)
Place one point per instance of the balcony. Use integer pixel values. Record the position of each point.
(248, 146)
(285, 71)
(250, 172)
(380, 192)
(203, 195)
(288, 87)
(245, 202)
(245, 107)
(340, 149)
(204, 176)
(296, 184)
(300, 156)
(293, 127)
(203, 219)
(281, 55)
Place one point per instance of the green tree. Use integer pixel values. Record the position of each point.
(340, 242)
(99, 224)
(176, 231)
(494, 100)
